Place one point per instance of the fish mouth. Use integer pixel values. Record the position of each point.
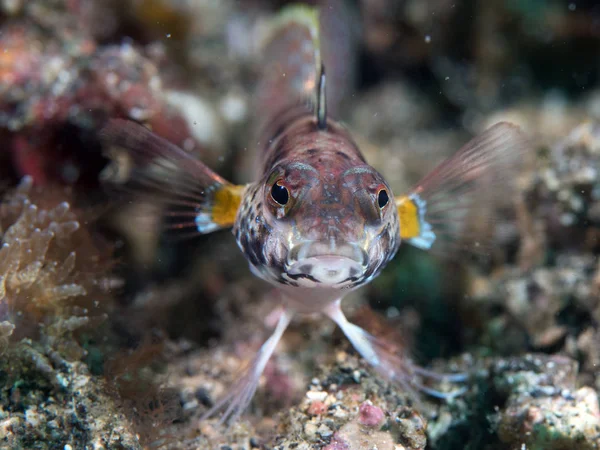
(325, 264)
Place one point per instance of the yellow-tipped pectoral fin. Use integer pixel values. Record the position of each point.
(408, 214)
(413, 227)
(457, 203)
(190, 198)
(227, 200)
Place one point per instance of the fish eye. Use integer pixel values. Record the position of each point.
(382, 198)
(280, 194)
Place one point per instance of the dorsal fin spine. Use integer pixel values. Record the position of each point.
(321, 109)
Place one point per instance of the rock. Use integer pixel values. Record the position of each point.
(544, 409)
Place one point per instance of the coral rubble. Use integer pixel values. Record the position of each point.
(54, 290)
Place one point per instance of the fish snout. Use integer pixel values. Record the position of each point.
(327, 263)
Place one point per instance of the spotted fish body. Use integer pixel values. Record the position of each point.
(331, 234)
(332, 209)
(318, 221)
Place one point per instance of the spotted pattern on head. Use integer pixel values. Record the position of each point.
(332, 206)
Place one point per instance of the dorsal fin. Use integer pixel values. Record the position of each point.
(291, 63)
(321, 109)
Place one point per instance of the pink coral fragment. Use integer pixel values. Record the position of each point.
(370, 415)
(317, 408)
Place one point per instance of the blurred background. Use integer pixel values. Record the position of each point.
(114, 336)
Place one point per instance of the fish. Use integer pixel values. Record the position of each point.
(319, 222)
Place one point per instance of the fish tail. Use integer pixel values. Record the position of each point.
(291, 62)
(190, 197)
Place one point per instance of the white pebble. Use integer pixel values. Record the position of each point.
(316, 395)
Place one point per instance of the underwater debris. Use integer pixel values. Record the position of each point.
(6, 330)
(48, 402)
(139, 389)
(55, 282)
(359, 411)
(58, 86)
(544, 408)
(549, 295)
(567, 190)
(532, 400)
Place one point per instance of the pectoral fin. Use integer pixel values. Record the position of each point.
(191, 197)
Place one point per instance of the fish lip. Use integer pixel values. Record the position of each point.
(327, 249)
(317, 263)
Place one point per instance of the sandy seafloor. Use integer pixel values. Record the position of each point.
(114, 337)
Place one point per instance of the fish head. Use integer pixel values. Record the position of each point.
(329, 225)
